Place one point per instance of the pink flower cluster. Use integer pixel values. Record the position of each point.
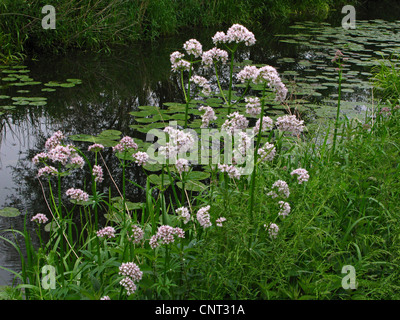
(284, 208)
(231, 170)
(97, 172)
(141, 158)
(202, 83)
(178, 63)
(219, 221)
(265, 74)
(282, 189)
(253, 106)
(182, 165)
(57, 153)
(108, 232)
(303, 175)
(193, 47)
(96, 147)
(208, 116)
(39, 218)
(137, 234)
(290, 123)
(179, 142)
(183, 214)
(203, 217)
(267, 124)
(235, 34)
(214, 55)
(234, 122)
(272, 229)
(47, 171)
(248, 73)
(125, 144)
(77, 194)
(166, 234)
(132, 273)
(267, 152)
(54, 140)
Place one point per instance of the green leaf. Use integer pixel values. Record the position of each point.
(157, 180)
(192, 186)
(9, 212)
(198, 175)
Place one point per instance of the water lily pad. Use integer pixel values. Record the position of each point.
(9, 212)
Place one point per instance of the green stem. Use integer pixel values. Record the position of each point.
(338, 108)
(253, 174)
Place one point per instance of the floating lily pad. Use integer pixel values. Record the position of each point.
(9, 212)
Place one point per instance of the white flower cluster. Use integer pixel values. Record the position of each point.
(290, 123)
(282, 189)
(284, 208)
(208, 116)
(267, 124)
(234, 122)
(214, 55)
(203, 217)
(202, 83)
(132, 273)
(235, 34)
(166, 234)
(178, 63)
(179, 142)
(302, 174)
(272, 229)
(231, 170)
(253, 106)
(267, 152)
(193, 47)
(183, 214)
(182, 165)
(108, 232)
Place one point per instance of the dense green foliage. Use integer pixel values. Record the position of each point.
(100, 24)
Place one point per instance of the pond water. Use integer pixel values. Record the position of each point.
(90, 93)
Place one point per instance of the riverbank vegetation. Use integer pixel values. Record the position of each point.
(100, 25)
(313, 202)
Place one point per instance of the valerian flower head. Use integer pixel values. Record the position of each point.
(125, 144)
(203, 217)
(193, 47)
(77, 194)
(290, 123)
(208, 116)
(178, 63)
(280, 188)
(141, 158)
(39, 218)
(272, 229)
(214, 55)
(302, 174)
(108, 232)
(184, 214)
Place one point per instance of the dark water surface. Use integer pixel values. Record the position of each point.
(115, 84)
